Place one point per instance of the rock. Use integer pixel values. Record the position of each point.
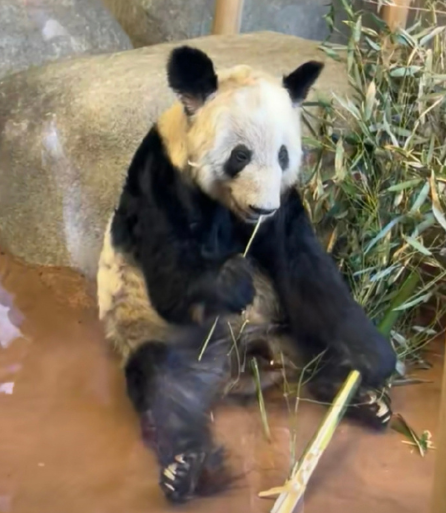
(68, 131)
(173, 20)
(136, 22)
(32, 33)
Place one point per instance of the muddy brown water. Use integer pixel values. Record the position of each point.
(69, 440)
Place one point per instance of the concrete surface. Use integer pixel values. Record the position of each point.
(39, 31)
(69, 130)
(70, 442)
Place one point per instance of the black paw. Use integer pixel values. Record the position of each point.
(180, 478)
(365, 349)
(235, 284)
(372, 408)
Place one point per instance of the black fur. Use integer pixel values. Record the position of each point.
(322, 314)
(184, 242)
(239, 158)
(188, 247)
(174, 392)
(299, 82)
(191, 74)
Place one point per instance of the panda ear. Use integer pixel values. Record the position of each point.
(299, 82)
(191, 75)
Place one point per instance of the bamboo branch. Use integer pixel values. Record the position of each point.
(294, 488)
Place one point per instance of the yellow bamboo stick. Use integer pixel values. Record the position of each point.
(294, 488)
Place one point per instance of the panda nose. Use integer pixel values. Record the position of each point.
(261, 211)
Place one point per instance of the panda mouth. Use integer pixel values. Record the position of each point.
(250, 217)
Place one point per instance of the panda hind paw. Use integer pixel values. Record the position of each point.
(179, 479)
(373, 408)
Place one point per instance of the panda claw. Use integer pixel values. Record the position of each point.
(374, 409)
(179, 479)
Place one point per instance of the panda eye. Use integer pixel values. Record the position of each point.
(239, 158)
(283, 157)
(242, 155)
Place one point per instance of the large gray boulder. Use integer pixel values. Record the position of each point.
(34, 32)
(156, 21)
(69, 130)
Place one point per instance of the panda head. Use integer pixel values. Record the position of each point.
(237, 135)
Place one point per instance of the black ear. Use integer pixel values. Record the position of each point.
(191, 75)
(299, 82)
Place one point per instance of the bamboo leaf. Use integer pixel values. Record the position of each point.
(369, 100)
(331, 53)
(436, 205)
(405, 71)
(421, 198)
(357, 30)
(383, 233)
(414, 302)
(339, 160)
(417, 245)
(408, 184)
(431, 35)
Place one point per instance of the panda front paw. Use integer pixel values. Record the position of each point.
(364, 348)
(179, 479)
(235, 286)
(372, 408)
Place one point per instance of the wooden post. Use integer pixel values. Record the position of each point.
(439, 495)
(396, 15)
(227, 16)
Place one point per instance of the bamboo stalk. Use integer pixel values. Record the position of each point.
(294, 488)
(227, 16)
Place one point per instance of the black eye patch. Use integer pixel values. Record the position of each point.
(284, 158)
(239, 158)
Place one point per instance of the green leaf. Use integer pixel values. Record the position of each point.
(417, 245)
(375, 46)
(436, 205)
(431, 35)
(414, 302)
(392, 314)
(421, 198)
(423, 443)
(357, 30)
(331, 53)
(404, 185)
(383, 233)
(404, 71)
(439, 216)
(348, 7)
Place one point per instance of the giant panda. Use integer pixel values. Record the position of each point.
(174, 286)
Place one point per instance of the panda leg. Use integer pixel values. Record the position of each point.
(173, 393)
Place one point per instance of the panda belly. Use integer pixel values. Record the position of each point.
(130, 320)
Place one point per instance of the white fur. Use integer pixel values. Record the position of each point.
(251, 108)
